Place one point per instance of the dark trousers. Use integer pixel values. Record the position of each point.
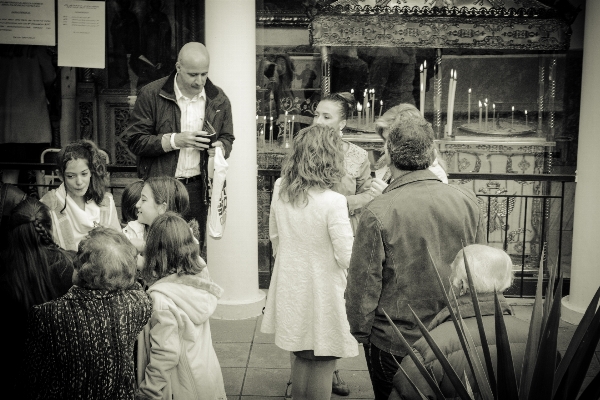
(198, 209)
(382, 368)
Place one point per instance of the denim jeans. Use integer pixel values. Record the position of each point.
(382, 368)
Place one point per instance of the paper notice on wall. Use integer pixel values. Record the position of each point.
(81, 34)
(27, 22)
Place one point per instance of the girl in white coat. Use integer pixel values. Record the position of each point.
(181, 361)
(312, 241)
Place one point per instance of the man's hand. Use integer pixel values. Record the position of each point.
(377, 186)
(211, 151)
(192, 140)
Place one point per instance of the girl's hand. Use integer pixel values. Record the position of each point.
(377, 186)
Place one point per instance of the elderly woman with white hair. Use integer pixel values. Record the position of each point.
(491, 269)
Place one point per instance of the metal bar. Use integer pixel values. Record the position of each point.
(560, 228)
(523, 251)
(488, 220)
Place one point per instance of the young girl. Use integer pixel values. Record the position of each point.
(81, 202)
(157, 196)
(35, 270)
(129, 199)
(312, 241)
(181, 363)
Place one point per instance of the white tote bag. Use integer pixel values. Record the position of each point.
(217, 213)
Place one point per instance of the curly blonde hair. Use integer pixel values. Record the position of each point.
(317, 160)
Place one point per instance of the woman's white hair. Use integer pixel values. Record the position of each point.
(491, 269)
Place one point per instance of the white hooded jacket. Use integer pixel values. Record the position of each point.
(180, 361)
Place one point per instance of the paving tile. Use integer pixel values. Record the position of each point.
(357, 363)
(263, 382)
(233, 354)
(359, 384)
(260, 337)
(268, 356)
(233, 379)
(564, 338)
(232, 331)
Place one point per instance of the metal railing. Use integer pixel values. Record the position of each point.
(549, 204)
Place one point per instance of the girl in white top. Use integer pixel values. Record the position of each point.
(81, 202)
(312, 241)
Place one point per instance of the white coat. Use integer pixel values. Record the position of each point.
(181, 360)
(305, 306)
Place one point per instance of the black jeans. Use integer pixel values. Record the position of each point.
(382, 368)
(198, 209)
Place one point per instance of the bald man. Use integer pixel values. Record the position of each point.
(176, 124)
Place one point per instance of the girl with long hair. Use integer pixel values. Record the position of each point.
(35, 271)
(312, 242)
(181, 362)
(81, 202)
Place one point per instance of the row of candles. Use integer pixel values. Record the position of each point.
(451, 98)
(368, 106)
(288, 130)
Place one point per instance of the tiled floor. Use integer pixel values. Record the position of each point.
(254, 368)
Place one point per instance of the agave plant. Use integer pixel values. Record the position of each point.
(543, 377)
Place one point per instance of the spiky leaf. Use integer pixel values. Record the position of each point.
(543, 375)
(533, 340)
(505, 369)
(450, 372)
(484, 344)
(592, 391)
(412, 384)
(576, 340)
(580, 362)
(432, 383)
(481, 381)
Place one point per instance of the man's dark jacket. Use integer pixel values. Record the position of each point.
(390, 266)
(156, 113)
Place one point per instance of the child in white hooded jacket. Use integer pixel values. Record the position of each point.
(177, 359)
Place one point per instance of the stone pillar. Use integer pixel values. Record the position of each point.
(230, 30)
(585, 268)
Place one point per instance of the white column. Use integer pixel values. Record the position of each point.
(233, 260)
(585, 269)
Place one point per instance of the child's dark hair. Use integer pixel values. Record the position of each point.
(131, 195)
(168, 190)
(344, 100)
(170, 248)
(30, 253)
(88, 151)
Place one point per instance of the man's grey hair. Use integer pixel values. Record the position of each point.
(491, 269)
(106, 260)
(410, 143)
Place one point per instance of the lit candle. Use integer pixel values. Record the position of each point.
(421, 92)
(352, 93)
(292, 131)
(285, 126)
(486, 114)
(258, 131)
(449, 108)
(526, 123)
(359, 109)
(480, 112)
(493, 115)
(368, 113)
(365, 101)
(380, 107)
(271, 134)
(452, 98)
(373, 107)
(469, 108)
(512, 118)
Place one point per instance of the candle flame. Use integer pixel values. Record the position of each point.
(425, 64)
(455, 74)
(525, 112)
(485, 100)
(469, 90)
(480, 105)
(293, 117)
(271, 118)
(494, 105)
(513, 108)
(381, 102)
(421, 68)
(368, 105)
(286, 113)
(359, 107)
(352, 91)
